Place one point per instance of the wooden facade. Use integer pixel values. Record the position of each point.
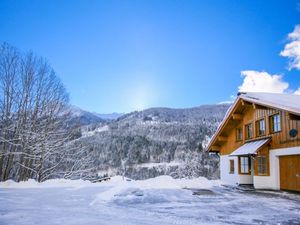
(250, 115)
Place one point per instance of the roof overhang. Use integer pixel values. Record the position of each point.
(295, 110)
(251, 147)
(211, 146)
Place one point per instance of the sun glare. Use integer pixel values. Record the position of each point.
(143, 96)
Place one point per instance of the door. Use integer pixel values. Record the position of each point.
(290, 172)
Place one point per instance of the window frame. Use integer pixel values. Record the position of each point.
(239, 134)
(247, 133)
(258, 123)
(262, 165)
(231, 166)
(242, 164)
(272, 123)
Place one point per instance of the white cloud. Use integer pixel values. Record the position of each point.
(292, 49)
(297, 92)
(256, 81)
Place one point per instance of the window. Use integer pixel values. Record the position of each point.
(275, 123)
(239, 134)
(262, 165)
(231, 163)
(261, 127)
(244, 165)
(249, 131)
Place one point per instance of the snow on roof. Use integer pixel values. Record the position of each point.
(250, 148)
(288, 102)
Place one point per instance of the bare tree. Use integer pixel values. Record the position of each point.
(33, 100)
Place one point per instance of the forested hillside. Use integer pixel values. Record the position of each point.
(155, 141)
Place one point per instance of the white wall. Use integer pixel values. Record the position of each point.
(245, 179)
(226, 177)
(233, 178)
(272, 181)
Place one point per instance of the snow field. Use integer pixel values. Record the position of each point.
(160, 200)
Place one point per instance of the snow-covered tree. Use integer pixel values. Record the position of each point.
(33, 103)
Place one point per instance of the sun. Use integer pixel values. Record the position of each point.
(143, 96)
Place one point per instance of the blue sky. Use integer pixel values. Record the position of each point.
(119, 56)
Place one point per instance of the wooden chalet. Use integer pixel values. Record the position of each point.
(259, 142)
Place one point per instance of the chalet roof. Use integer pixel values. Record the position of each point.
(250, 148)
(287, 102)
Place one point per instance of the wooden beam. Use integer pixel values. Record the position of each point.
(293, 116)
(236, 116)
(222, 138)
(245, 103)
(255, 106)
(215, 148)
(261, 107)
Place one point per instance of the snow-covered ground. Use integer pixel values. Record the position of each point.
(160, 200)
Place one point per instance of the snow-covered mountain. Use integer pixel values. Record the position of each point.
(155, 141)
(78, 117)
(109, 116)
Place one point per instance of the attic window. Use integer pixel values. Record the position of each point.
(248, 131)
(275, 123)
(260, 127)
(239, 134)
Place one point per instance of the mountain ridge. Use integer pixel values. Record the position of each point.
(155, 141)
